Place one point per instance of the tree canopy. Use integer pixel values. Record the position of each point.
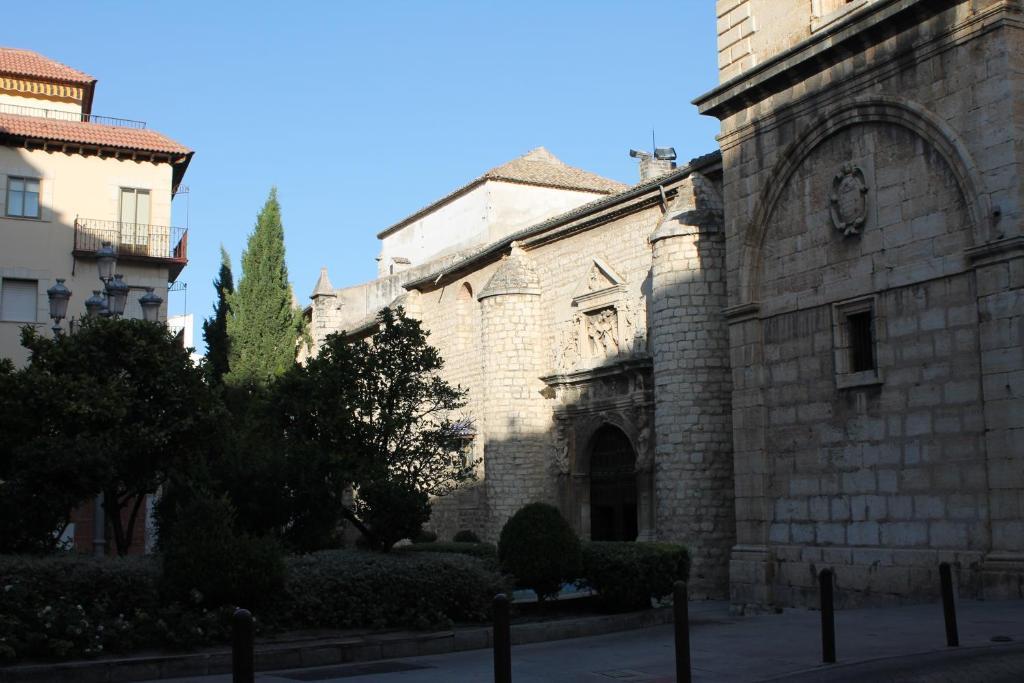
(263, 326)
(375, 413)
(115, 408)
(215, 328)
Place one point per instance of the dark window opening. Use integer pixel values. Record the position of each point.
(860, 331)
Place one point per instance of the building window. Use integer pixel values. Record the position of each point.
(134, 217)
(855, 331)
(860, 332)
(18, 300)
(22, 197)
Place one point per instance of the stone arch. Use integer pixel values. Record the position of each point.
(585, 432)
(878, 109)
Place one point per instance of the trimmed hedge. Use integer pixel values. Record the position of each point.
(351, 588)
(70, 606)
(627, 575)
(465, 536)
(483, 551)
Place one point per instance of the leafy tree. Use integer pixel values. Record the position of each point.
(117, 408)
(263, 326)
(374, 413)
(39, 483)
(215, 329)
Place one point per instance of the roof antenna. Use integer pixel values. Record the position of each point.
(653, 145)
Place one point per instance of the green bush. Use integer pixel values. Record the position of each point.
(72, 606)
(627, 575)
(485, 552)
(206, 562)
(539, 548)
(465, 536)
(351, 588)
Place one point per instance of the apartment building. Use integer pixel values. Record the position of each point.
(69, 181)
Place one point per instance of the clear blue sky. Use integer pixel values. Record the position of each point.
(362, 112)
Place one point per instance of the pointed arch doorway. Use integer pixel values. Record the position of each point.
(613, 486)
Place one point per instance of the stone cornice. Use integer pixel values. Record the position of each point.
(864, 28)
(996, 250)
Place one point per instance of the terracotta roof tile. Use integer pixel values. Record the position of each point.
(536, 167)
(34, 65)
(541, 167)
(134, 139)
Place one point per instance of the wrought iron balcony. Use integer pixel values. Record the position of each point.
(73, 116)
(134, 241)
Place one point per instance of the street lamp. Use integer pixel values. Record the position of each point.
(58, 296)
(109, 301)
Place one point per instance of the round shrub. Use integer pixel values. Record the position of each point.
(539, 548)
(465, 536)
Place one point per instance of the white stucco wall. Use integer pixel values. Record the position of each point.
(513, 206)
(488, 212)
(459, 222)
(38, 103)
(72, 185)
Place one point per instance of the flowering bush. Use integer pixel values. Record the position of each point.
(67, 607)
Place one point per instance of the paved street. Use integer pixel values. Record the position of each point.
(902, 643)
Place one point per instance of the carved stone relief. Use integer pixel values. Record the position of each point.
(848, 201)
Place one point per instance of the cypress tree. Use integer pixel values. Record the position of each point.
(263, 326)
(215, 329)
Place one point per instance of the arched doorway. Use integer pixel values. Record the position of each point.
(613, 498)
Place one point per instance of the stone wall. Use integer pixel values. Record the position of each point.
(879, 479)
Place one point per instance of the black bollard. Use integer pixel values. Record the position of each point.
(681, 617)
(241, 647)
(828, 618)
(502, 641)
(948, 606)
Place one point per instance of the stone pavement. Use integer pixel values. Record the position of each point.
(897, 643)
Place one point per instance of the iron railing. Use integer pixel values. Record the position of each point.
(74, 116)
(132, 239)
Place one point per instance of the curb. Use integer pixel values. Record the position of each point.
(327, 652)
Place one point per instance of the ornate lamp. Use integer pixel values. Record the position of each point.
(58, 296)
(150, 303)
(95, 304)
(117, 295)
(106, 261)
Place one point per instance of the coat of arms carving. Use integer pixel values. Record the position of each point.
(848, 202)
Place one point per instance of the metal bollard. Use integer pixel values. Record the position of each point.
(828, 619)
(241, 647)
(681, 618)
(502, 641)
(948, 606)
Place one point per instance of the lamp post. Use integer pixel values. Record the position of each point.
(107, 302)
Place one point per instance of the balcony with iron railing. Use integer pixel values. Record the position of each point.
(134, 241)
(73, 116)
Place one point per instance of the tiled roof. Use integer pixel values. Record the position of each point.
(541, 167)
(33, 65)
(536, 167)
(92, 134)
(495, 248)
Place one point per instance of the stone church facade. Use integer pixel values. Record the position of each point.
(802, 352)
